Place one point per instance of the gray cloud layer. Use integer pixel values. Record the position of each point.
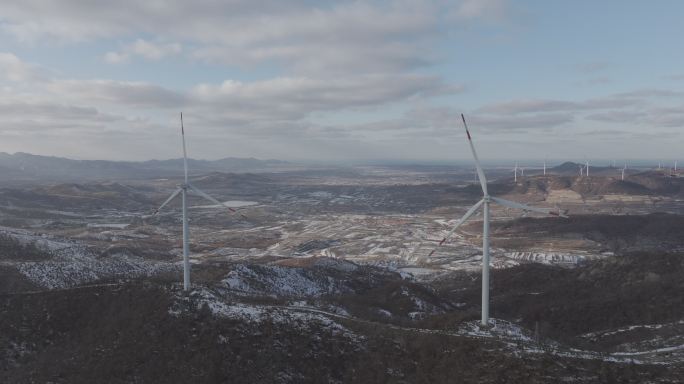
(311, 37)
(353, 81)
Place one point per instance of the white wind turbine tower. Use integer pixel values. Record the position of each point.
(544, 165)
(586, 167)
(485, 202)
(515, 172)
(183, 191)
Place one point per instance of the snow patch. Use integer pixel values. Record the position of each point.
(253, 313)
(71, 263)
(282, 281)
(108, 225)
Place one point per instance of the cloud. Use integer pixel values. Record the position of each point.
(672, 120)
(117, 57)
(443, 122)
(650, 93)
(676, 77)
(618, 116)
(594, 81)
(340, 77)
(473, 9)
(15, 70)
(53, 111)
(286, 106)
(616, 101)
(331, 58)
(122, 93)
(630, 109)
(344, 38)
(297, 97)
(144, 49)
(325, 37)
(278, 100)
(594, 67)
(526, 106)
(527, 123)
(644, 117)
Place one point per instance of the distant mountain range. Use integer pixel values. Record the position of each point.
(27, 167)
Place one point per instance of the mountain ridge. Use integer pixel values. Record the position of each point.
(22, 166)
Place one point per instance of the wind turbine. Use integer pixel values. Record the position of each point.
(586, 167)
(544, 165)
(485, 202)
(515, 172)
(183, 190)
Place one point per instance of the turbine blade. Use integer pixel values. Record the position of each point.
(185, 154)
(206, 196)
(463, 219)
(515, 205)
(173, 195)
(480, 172)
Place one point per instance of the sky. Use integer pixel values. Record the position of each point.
(341, 81)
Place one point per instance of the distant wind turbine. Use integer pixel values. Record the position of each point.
(545, 166)
(515, 172)
(485, 202)
(183, 191)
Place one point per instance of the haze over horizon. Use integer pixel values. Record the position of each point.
(530, 163)
(342, 81)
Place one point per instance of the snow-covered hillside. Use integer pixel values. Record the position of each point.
(285, 281)
(69, 263)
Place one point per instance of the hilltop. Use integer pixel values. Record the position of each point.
(641, 183)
